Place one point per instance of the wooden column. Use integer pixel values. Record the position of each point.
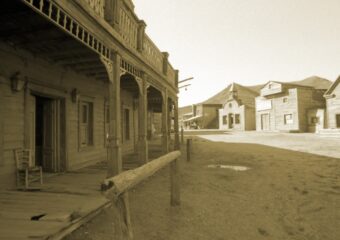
(141, 34)
(176, 125)
(114, 139)
(142, 122)
(165, 113)
(111, 12)
(165, 62)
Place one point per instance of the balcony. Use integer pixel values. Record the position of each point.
(97, 6)
(116, 17)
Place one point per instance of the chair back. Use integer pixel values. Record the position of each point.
(23, 158)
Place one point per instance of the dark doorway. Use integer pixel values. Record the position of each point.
(338, 120)
(49, 133)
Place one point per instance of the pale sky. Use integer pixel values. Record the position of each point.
(245, 41)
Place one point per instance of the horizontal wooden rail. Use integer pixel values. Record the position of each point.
(128, 179)
(117, 187)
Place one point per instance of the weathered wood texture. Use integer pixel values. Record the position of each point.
(53, 81)
(127, 180)
(333, 108)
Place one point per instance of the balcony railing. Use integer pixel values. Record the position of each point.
(127, 24)
(152, 54)
(97, 6)
(128, 28)
(171, 75)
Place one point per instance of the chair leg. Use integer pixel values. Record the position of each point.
(26, 178)
(41, 176)
(18, 179)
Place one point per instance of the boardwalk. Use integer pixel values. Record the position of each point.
(65, 201)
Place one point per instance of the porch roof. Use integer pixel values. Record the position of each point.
(193, 118)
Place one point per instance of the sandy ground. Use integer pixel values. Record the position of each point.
(284, 195)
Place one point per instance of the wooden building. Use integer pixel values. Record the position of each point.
(78, 84)
(290, 107)
(333, 106)
(238, 112)
(201, 116)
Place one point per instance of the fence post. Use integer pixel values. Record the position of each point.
(188, 149)
(182, 135)
(175, 183)
(122, 223)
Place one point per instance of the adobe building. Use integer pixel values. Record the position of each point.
(289, 107)
(333, 106)
(79, 84)
(238, 112)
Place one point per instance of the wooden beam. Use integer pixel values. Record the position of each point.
(79, 60)
(123, 182)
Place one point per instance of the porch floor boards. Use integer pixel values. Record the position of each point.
(66, 200)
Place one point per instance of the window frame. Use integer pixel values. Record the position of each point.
(89, 124)
(288, 121)
(225, 119)
(237, 118)
(126, 125)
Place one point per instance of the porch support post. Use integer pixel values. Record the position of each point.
(176, 125)
(114, 154)
(165, 113)
(142, 124)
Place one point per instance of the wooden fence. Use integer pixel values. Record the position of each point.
(117, 187)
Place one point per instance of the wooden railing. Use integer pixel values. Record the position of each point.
(152, 54)
(97, 6)
(171, 75)
(116, 189)
(128, 27)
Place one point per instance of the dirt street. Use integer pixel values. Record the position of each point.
(283, 195)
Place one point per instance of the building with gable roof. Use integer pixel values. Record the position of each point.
(333, 105)
(290, 107)
(238, 112)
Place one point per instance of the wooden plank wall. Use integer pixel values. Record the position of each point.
(333, 108)
(308, 99)
(55, 79)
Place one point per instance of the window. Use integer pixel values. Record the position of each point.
(285, 100)
(106, 123)
(225, 120)
(126, 124)
(86, 124)
(237, 119)
(288, 119)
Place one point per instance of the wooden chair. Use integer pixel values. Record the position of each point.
(26, 171)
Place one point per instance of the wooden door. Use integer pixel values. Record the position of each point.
(49, 136)
(30, 121)
(231, 120)
(265, 122)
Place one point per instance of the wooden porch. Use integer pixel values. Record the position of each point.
(65, 202)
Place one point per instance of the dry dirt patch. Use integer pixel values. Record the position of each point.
(284, 195)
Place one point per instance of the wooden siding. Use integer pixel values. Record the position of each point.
(333, 108)
(47, 78)
(308, 99)
(210, 117)
(278, 111)
(128, 103)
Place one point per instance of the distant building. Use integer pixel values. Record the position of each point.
(290, 107)
(333, 106)
(238, 112)
(201, 116)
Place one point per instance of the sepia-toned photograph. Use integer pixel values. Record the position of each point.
(169, 120)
